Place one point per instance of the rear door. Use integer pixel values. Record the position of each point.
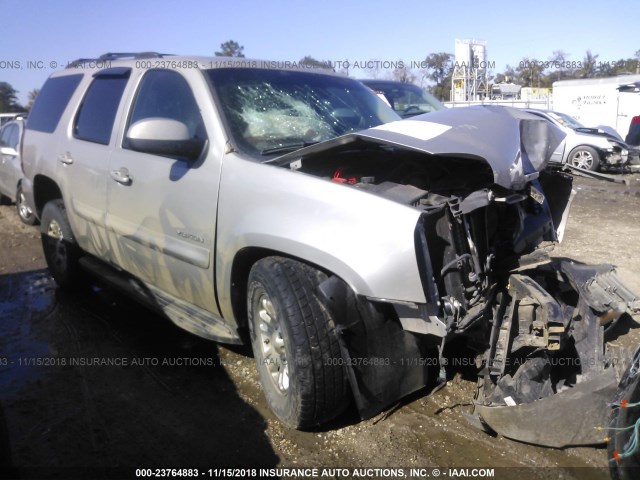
(161, 211)
(83, 158)
(8, 138)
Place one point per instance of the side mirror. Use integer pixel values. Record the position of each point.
(12, 152)
(163, 136)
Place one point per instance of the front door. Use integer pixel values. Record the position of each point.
(161, 211)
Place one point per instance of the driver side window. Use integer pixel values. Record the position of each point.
(166, 94)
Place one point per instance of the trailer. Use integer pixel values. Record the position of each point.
(609, 101)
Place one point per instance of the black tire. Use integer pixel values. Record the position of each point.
(295, 343)
(4, 200)
(24, 211)
(584, 157)
(60, 249)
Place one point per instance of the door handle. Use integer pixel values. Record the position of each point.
(65, 158)
(121, 176)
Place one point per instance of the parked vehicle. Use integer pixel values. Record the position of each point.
(405, 98)
(608, 101)
(583, 147)
(633, 137)
(293, 210)
(10, 170)
(7, 117)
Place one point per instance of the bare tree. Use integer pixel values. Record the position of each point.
(31, 97)
(403, 74)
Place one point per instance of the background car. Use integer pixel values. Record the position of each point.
(10, 170)
(633, 137)
(7, 117)
(584, 147)
(406, 99)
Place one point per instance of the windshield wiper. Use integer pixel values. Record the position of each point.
(286, 148)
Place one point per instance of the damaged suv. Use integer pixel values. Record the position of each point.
(295, 211)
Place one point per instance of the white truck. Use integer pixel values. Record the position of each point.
(610, 101)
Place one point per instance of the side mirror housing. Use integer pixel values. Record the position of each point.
(12, 152)
(165, 137)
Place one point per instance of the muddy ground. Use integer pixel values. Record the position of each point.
(175, 400)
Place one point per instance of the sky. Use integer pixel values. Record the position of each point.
(50, 33)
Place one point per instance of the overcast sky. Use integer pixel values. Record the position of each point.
(55, 32)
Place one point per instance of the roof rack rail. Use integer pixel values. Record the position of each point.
(116, 56)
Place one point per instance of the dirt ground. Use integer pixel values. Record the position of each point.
(170, 399)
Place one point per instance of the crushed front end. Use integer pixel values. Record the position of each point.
(552, 337)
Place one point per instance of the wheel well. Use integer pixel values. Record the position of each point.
(242, 263)
(44, 190)
(596, 149)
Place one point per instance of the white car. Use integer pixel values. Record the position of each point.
(10, 171)
(584, 147)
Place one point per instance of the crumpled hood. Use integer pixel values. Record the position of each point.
(514, 143)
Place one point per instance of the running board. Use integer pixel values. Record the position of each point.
(188, 317)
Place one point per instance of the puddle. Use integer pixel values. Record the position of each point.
(25, 298)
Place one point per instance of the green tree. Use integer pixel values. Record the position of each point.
(230, 48)
(8, 99)
(508, 76)
(531, 73)
(589, 66)
(559, 66)
(439, 69)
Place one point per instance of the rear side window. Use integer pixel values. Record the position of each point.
(97, 113)
(51, 102)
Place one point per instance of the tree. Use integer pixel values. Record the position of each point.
(508, 76)
(230, 48)
(314, 63)
(560, 66)
(589, 65)
(531, 73)
(403, 74)
(31, 97)
(439, 69)
(9, 99)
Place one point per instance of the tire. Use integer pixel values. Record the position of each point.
(60, 249)
(584, 157)
(24, 211)
(295, 343)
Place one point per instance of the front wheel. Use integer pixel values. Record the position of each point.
(60, 249)
(24, 211)
(295, 343)
(584, 157)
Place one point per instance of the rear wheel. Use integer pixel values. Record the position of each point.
(584, 157)
(60, 249)
(295, 343)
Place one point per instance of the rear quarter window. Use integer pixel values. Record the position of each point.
(51, 102)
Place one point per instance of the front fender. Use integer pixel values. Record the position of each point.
(366, 240)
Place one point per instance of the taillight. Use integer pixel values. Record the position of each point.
(636, 119)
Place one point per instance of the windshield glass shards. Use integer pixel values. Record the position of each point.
(275, 111)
